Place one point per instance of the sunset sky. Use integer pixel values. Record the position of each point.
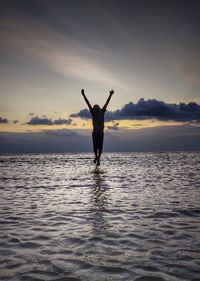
(147, 51)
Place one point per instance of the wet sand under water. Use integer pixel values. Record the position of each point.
(138, 218)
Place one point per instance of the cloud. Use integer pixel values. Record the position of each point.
(62, 121)
(170, 138)
(57, 51)
(3, 120)
(151, 109)
(39, 121)
(64, 140)
(84, 114)
(46, 121)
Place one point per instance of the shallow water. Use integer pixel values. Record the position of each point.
(138, 218)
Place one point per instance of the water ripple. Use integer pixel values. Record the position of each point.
(136, 219)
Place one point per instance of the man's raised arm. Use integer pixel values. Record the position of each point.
(86, 100)
(108, 100)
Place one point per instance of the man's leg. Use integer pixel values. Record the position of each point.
(101, 137)
(94, 147)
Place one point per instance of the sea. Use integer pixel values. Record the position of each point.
(136, 218)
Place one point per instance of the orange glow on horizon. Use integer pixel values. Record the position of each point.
(78, 124)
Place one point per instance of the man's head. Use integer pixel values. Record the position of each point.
(96, 107)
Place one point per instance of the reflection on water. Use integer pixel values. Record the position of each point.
(99, 202)
(137, 218)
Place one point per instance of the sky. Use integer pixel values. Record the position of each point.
(147, 51)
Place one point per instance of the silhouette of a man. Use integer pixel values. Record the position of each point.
(98, 125)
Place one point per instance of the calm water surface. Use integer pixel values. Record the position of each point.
(138, 218)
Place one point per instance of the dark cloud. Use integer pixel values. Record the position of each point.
(62, 121)
(148, 109)
(46, 121)
(64, 140)
(60, 133)
(84, 113)
(3, 120)
(39, 121)
(166, 138)
(163, 138)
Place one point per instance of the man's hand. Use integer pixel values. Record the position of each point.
(108, 100)
(82, 92)
(111, 92)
